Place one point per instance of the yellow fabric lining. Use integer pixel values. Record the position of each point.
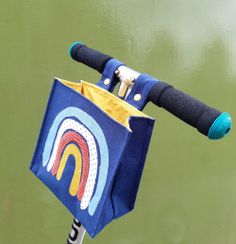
(116, 108)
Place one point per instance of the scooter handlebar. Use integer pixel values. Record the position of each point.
(209, 121)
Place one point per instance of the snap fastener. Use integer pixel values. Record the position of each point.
(107, 81)
(137, 97)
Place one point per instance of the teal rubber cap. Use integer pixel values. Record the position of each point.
(220, 127)
(73, 45)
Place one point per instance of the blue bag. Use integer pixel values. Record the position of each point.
(92, 147)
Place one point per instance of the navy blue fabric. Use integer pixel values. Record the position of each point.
(143, 86)
(109, 73)
(127, 150)
(131, 166)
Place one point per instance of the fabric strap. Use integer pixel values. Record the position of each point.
(109, 74)
(139, 95)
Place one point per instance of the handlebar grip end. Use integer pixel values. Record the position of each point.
(220, 127)
(73, 48)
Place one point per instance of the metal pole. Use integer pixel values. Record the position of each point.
(77, 233)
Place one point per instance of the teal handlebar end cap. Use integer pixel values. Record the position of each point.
(220, 127)
(73, 45)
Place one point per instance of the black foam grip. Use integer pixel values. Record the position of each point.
(89, 56)
(183, 106)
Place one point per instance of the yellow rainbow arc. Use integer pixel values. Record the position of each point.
(71, 149)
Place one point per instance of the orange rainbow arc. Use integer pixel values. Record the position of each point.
(73, 137)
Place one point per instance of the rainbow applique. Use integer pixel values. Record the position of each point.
(68, 136)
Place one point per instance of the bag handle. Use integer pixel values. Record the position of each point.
(109, 79)
(140, 93)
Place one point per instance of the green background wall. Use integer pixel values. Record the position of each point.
(188, 190)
